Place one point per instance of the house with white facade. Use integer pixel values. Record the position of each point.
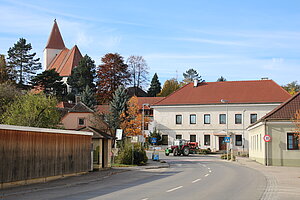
(210, 111)
(283, 149)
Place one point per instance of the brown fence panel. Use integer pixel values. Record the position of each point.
(26, 155)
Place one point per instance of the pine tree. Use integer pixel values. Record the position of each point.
(117, 106)
(110, 75)
(22, 63)
(4, 70)
(83, 75)
(191, 75)
(50, 82)
(221, 79)
(88, 98)
(155, 86)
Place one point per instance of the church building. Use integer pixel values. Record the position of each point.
(58, 57)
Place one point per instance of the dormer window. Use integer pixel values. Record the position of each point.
(81, 121)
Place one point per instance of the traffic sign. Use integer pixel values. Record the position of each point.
(153, 140)
(227, 139)
(267, 138)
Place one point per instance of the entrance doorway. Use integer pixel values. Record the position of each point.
(222, 144)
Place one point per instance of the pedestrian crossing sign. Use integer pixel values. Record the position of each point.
(227, 139)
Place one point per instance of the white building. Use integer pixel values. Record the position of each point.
(198, 112)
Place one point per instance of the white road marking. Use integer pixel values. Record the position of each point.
(209, 171)
(196, 180)
(145, 199)
(208, 168)
(206, 175)
(171, 190)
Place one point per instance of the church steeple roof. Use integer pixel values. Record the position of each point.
(55, 40)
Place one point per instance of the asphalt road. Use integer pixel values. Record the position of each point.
(193, 177)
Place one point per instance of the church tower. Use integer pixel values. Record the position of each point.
(54, 45)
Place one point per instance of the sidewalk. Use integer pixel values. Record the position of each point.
(282, 182)
(70, 181)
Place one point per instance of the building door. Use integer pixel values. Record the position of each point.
(222, 143)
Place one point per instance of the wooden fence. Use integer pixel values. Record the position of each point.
(28, 153)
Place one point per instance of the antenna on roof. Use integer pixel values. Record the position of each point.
(264, 78)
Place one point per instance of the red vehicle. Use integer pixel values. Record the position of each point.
(182, 147)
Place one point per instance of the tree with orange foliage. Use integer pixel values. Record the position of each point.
(110, 75)
(132, 119)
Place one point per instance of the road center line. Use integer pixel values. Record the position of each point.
(206, 175)
(171, 190)
(196, 180)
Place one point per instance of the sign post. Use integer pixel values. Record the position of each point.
(267, 139)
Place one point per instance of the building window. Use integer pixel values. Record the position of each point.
(238, 118)
(193, 119)
(81, 121)
(293, 141)
(178, 119)
(192, 138)
(164, 139)
(207, 140)
(253, 118)
(222, 118)
(178, 136)
(207, 119)
(238, 140)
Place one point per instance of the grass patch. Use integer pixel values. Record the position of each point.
(122, 165)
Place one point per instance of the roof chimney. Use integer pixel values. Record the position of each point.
(195, 82)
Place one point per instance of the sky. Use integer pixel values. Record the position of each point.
(239, 40)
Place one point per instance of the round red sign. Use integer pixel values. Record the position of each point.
(267, 138)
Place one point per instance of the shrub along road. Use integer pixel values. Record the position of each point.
(193, 177)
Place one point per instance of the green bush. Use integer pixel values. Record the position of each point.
(125, 154)
(204, 151)
(224, 156)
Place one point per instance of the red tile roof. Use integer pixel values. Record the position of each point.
(148, 100)
(104, 109)
(55, 40)
(64, 104)
(65, 61)
(259, 91)
(286, 111)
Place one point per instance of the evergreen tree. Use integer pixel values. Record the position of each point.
(117, 106)
(155, 86)
(191, 75)
(83, 75)
(4, 70)
(110, 75)
(221, 79)
(50, 82)
(88, 98)
(22, 63)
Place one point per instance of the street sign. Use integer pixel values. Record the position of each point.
(153, 140)
(267, 138)
(119, 133)
(227, 139)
